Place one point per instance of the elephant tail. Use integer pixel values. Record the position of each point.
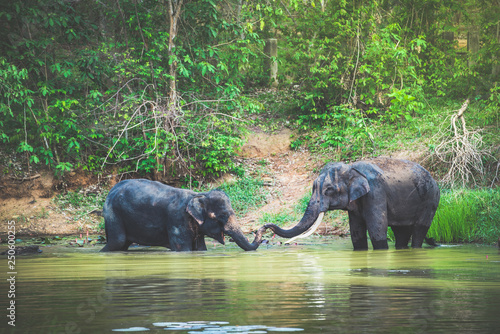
(431, 242)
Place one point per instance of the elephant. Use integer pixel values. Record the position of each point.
(376, 194)
(151, 213)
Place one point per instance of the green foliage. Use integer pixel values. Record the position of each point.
(467, 216)
(80, 200)
(302, 203)
(88, 85)
(216, 149)
(280, 218)
(403, 105)
(246, 194)
(491, 107)
(342, 54)
(63, 167)
(347, 131)
(375, 62)
(287, 217)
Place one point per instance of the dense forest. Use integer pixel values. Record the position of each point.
(169, 86)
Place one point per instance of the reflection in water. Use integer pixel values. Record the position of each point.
(317, 289)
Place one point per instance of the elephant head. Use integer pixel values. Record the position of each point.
(216, 217)
(337, 187)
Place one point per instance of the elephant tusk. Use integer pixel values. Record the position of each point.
(310, 231)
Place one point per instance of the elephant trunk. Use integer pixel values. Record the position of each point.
(311, 217)
(235, 232)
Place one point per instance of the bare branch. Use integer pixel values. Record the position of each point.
(461, 150)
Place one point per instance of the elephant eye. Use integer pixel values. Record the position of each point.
(330, 191)
(222, 218)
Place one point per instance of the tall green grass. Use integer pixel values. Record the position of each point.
(467, 216)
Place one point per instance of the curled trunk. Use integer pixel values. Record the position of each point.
(234, 231)
(310, 216)
(310, 230)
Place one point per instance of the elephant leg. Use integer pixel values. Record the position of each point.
(421, 227)
(117, 239)
(357, 226)
(379, 238)
(418, 236)
(378, 232)
(126, 245)
(199, 243)
(380, 244)
(116, 244)
(180, 241)
(179, 247)
(106, 248)
(403, 235)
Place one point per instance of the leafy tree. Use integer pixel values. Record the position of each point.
(91, 84)
(158, 86)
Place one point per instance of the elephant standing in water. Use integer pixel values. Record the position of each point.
(154, 214)
(377, 193)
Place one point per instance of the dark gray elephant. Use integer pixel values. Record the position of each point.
(154, 214)
(377, 193)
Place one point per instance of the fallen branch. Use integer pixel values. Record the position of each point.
(462, 151)
(26, 178)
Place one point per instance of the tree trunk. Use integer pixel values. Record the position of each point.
(496, 67)
(174, 12)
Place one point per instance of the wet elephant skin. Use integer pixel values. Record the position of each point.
(376, 194)
(154, 214)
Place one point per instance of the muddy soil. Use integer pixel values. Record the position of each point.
(29, 201)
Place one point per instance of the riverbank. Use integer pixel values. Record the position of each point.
(274, 187)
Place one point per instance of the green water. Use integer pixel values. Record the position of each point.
(316, 288)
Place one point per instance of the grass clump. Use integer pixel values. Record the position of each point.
(281, 218)
(246, 194)
(466, 215)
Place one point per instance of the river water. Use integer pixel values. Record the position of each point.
(319, 287)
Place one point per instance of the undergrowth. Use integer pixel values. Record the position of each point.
(79, 205)
(246, 194)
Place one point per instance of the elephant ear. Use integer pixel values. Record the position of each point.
(358, 185)
(196, 208)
